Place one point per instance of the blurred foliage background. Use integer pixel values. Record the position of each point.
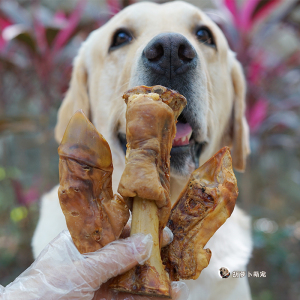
(38, 41)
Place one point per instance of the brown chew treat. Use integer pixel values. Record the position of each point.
(150, 129)
(173, 99)
(94, 216)
(151, 126)
(201, 209)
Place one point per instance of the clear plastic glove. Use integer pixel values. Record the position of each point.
(179, 289)
(61, 272)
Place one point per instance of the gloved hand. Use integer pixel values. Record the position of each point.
(61, 272)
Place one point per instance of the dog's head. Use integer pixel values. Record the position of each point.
(175, 45)
(224, 272)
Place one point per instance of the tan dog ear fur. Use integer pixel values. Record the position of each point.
(76, 97)
(240, 133)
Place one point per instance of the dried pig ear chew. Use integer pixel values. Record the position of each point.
(94, 216)
(150, 129)
(201, 209)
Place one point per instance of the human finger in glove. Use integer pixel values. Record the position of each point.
(61, 272)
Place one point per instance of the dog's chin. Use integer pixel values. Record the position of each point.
(184, 159)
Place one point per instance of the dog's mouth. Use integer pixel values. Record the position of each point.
(184, 146)
(183, 134)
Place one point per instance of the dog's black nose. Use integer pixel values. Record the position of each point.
(169, 54)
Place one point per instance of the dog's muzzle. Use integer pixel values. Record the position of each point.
(170, 60)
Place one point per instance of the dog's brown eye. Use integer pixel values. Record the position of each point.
(121, 37)
(205, 36)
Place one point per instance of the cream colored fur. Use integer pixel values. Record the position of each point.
(99, 79)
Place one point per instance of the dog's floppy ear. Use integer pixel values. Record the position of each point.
(76, 97)
(240, 130)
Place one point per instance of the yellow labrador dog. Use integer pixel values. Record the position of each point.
(178, 46)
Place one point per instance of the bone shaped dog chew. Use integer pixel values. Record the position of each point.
(94, 216)
(151, 117)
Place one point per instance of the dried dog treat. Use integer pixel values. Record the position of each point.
(94, 216)
(169, 97)
(201, 209)
(150, 129)
(151, 126)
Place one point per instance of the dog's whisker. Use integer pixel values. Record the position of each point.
(220, 15)
(120, 96)
(124, 84)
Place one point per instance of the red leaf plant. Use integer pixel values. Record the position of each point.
(247, 25)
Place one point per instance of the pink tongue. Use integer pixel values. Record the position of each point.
(182, 130)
